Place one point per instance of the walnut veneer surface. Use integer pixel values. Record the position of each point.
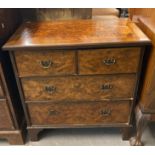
(78, 73)
(76, 33)
(76, 88)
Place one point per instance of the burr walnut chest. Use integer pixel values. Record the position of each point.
(78, 73)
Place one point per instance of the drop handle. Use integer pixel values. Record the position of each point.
(105, 112)
(106, 86)
(53, 112)
(109, 61)
(46, 64)
(50, 89)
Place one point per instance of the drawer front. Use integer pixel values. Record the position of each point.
(37, 63)
(5, 117)
(91, 88)
(79, 113)
(108, 61)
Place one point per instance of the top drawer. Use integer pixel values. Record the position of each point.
(109, 61)
(44, 63)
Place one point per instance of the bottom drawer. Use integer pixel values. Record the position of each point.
(5, 117)
(79, 113)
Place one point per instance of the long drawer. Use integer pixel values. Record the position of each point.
(79, 88)
(91, 113)
(44, 63)
(5, 117)
(109, 60)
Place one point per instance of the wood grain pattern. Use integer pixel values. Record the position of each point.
(79, 113)
(123, 60)
(79, 33)
(79, 100)
(45, 63)
(5, 117)
(79, 88)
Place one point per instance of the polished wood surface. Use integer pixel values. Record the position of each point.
(109, 61)
(45, 63)
(78, 33)
(73, 88)
(113, 42)
(79, 113)
(61, 62)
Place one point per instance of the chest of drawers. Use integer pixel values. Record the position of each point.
(77, 73)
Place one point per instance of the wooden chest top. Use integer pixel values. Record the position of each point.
(77, 33)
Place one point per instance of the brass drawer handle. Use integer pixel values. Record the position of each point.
(109, 61)
(50, 89)
(105, 112)
(53, 112)
(106, 86)
(46, 64)
(77, 85)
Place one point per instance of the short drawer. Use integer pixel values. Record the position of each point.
(90, 113)
(44, 63)
(108, 61)
(91, 88)
(5, 116)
